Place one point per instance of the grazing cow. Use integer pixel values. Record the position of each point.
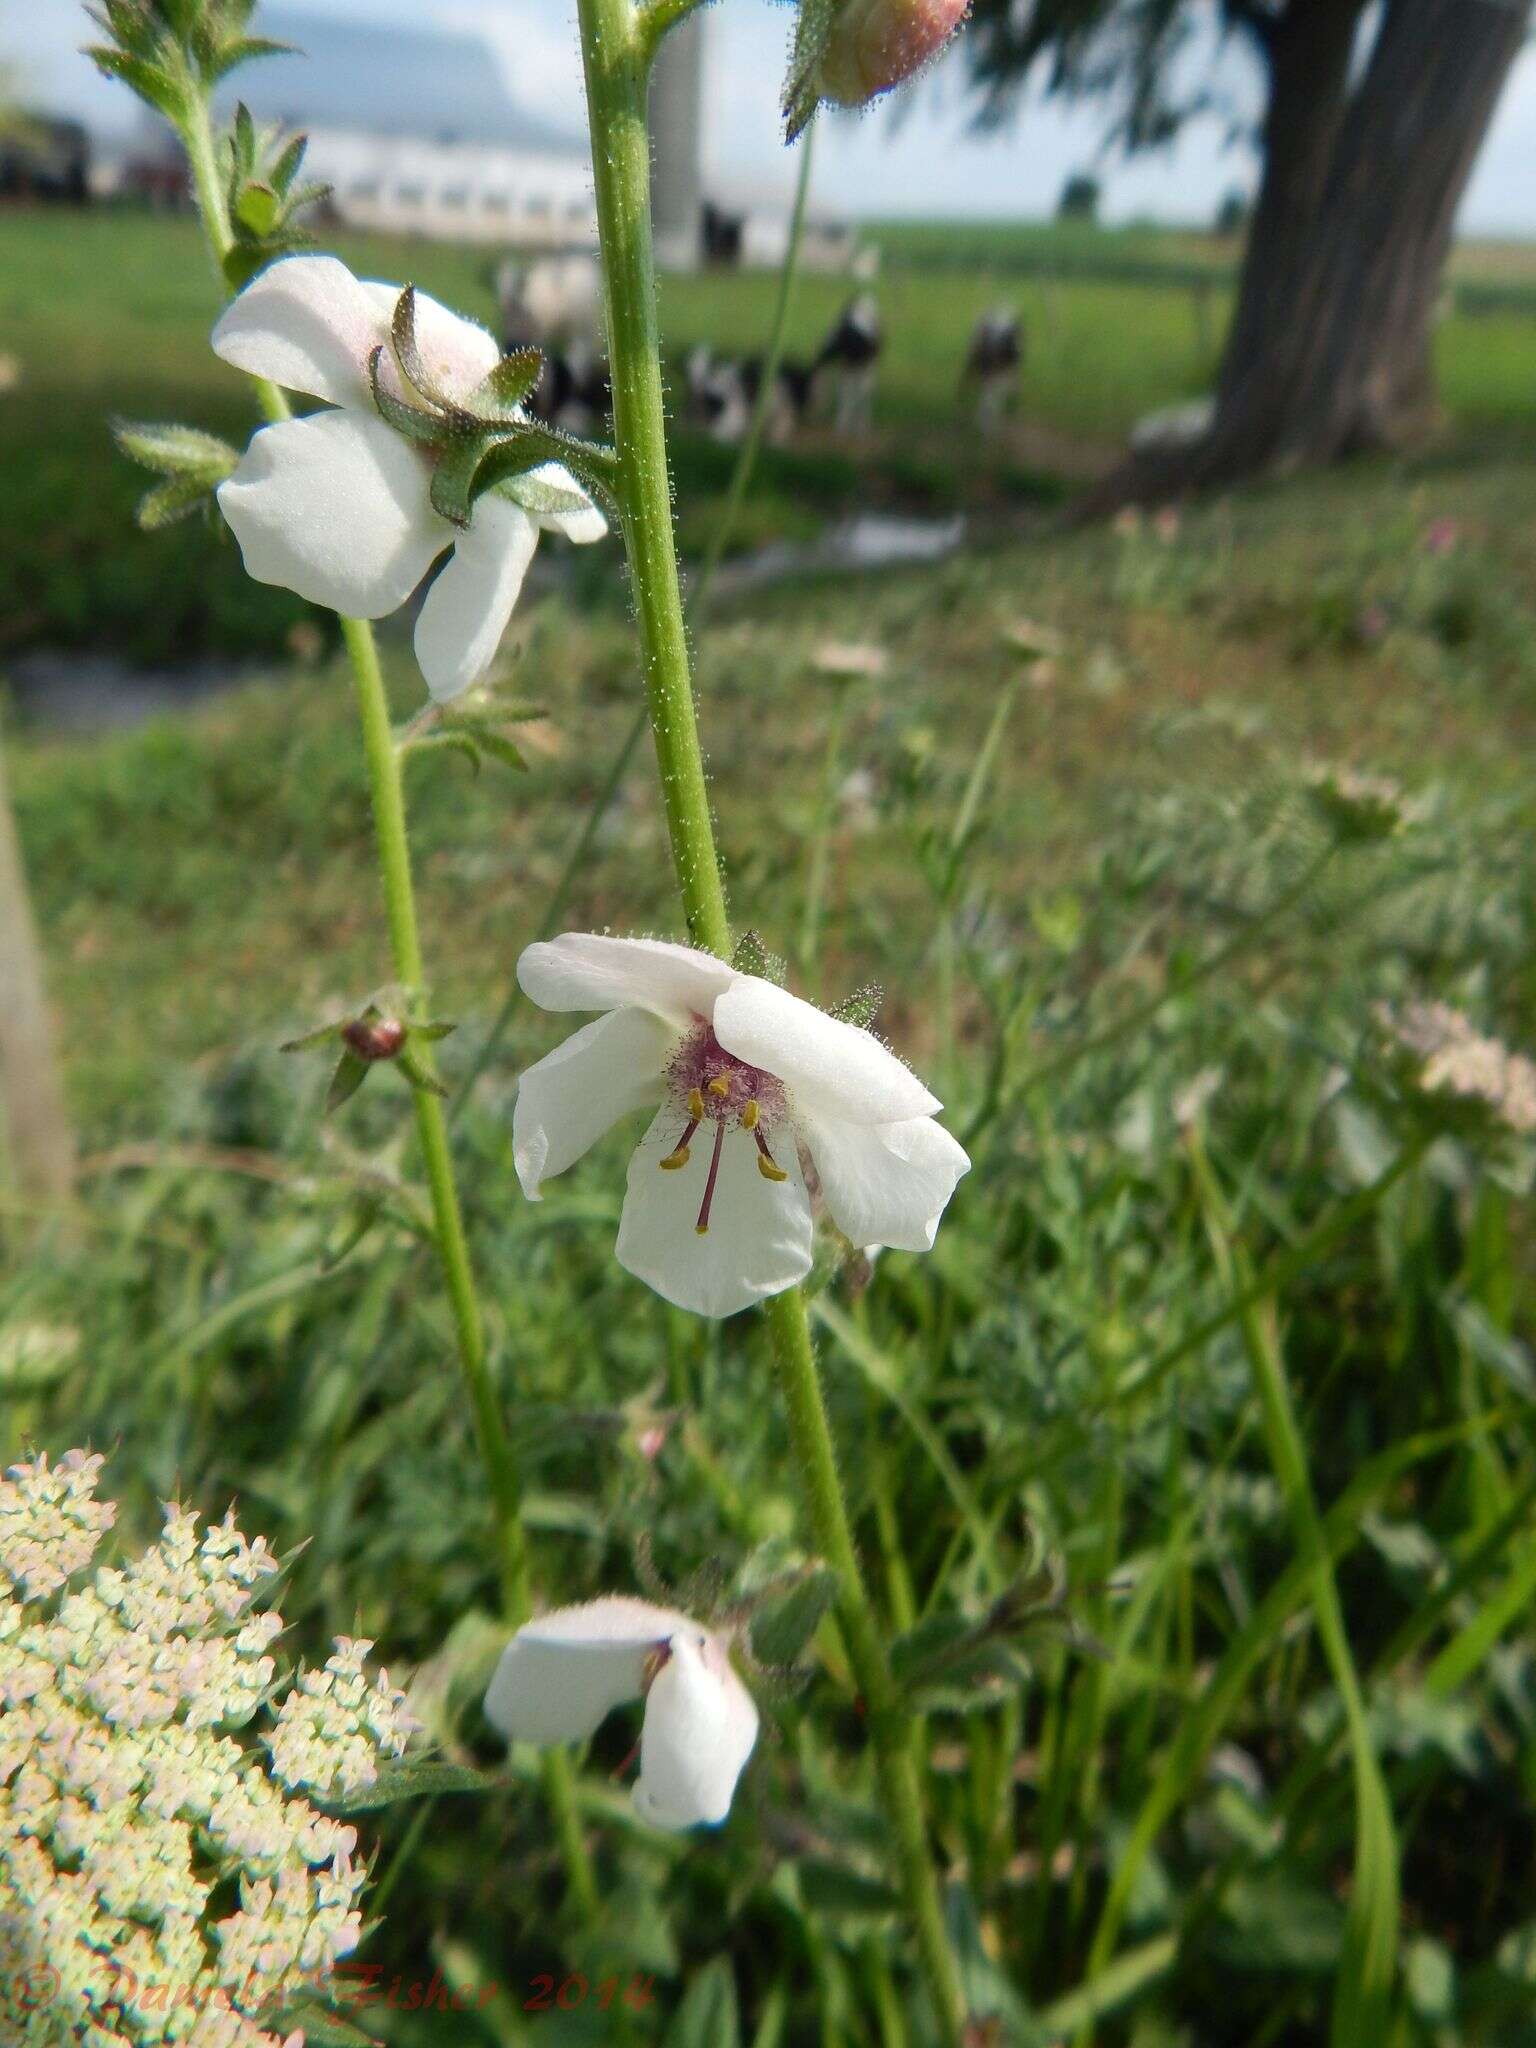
(850, 353)
(574, 391)
(992, 364)
(722, 395)
(552, 299)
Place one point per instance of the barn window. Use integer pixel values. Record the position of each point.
(409, 195)
(536, 206)
(496, 202)
(456, 196)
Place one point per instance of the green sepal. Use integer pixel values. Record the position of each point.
(501, 749)
(781, 1631)
(242, 141)
(174, 450)
(219, 63)
(454, 473)
(427, 428)
(308, 1039)
(813, 29)
(175, 499)
(286, 168)
(413, 367)
(541, 499)
(750, 956)
(416, 1073)
(434, 1031)
(350, 1074)
(862, 1007)
(146, 78)
(257, 208)
(510, 382)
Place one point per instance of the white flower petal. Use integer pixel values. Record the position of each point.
(585, 971)
(885, 1184)
(581, 527)
(699, 1729)
(308, 324)
(759, 1237)
(574, 1094)
(563, 1674)
(467, 609)
(458, 354)
(335, 507)
(836, 1069)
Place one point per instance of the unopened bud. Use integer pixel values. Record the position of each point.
(874, 45)
(373, 1038)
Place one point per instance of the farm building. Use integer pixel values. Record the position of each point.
(415, 132)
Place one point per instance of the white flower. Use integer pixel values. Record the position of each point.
(764, 1075)
(561, 1676)
(337, 506)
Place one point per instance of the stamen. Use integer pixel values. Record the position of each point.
(749, 1114)
(767, 1166)
(702, 1226)
(696, 1105)
(719, 1085)
(678, 1156)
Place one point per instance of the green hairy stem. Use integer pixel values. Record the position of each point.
(391, 836)
(617, 44)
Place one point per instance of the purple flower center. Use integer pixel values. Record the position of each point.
(707, 1084)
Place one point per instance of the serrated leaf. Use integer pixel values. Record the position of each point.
(176, 451)
(350, 1074)
(781, 1631)
(407, 1779)
(862, 1007)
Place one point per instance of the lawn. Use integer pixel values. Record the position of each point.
(1143, 963)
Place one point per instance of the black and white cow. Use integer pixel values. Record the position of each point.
(991, 373)
(849, 355)
(722, 395)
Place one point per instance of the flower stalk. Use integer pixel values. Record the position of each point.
(616, 52)
(387, 798)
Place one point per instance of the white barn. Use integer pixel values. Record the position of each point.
(416, 133)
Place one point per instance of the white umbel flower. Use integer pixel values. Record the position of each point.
(561, 1676)
(717, 1215)
(337, 506)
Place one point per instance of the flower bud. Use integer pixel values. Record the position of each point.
(373, 1038)
(874, 45)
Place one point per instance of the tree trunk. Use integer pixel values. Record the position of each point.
(1329, 352)
(37, 1144)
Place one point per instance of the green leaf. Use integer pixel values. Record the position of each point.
(781, 1631)
(350, 1074)
(219, 63)
(409, 1779)
(833, 1888)
(176, 451)
(147, 79)
(707, 2017)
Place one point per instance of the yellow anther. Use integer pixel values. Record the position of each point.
(749, 1115)
(719, 1085)
(701, 1229)
(695, 1104)
(675, 1159)
(768, 1170)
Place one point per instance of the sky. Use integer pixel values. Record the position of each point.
(915, 155)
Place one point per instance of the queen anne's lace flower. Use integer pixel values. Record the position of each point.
(338, 507)
(761, 1075)
(562, 1675)
(1456, 1063)
(126, 1801)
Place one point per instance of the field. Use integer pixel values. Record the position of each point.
(1144, 964)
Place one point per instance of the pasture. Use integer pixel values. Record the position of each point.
(1143, 965)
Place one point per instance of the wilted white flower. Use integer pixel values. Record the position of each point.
(760, 1071)
(562, 1675)
(128, 1804)
(338, 506)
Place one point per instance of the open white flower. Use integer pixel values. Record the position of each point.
(719, 1221)
(337, 506)
(561, 1676)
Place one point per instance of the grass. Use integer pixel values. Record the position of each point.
(1207, 1325)
(108, 314)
